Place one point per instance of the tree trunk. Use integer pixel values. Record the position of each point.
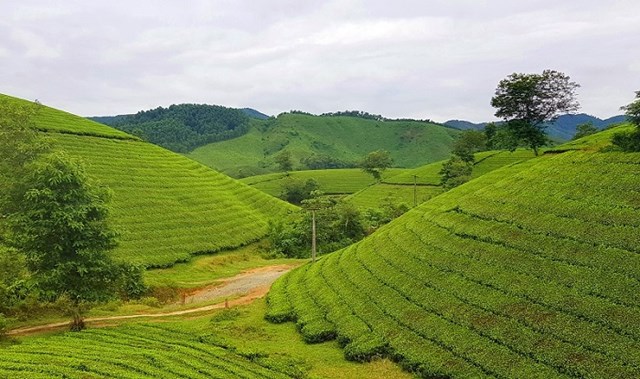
(78, 321)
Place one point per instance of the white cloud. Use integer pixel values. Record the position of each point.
(439, 59)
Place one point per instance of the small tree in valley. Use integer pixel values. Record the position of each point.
(283, 160)
(376, 162)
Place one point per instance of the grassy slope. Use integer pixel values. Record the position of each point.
(344, 138)
(399, 188)
(532, 270)
(341, 181)
(132, 351)
(165, 206)
(206, 346)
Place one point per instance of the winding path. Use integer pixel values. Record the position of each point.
(249, 285)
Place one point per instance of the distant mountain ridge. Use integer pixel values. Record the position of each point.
(564, 128)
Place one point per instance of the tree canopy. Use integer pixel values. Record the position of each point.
(630, 141)
(632, 111)
(376, 162)
(585, 129)
(527, 102)
(183, 127)
(54, 219)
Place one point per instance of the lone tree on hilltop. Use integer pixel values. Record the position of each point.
(376, 162)
(528, 102)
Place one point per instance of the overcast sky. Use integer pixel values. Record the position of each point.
(437, 59)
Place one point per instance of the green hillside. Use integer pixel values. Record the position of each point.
(400, 188)
(340, 181)
(530, 271)
(343, 139)
(165, 207)
(133, 351)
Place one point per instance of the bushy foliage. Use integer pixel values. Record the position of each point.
(13, 273)
(324, 161)
(295, 190)
(60, 224)
(283, 160)
(3, 326)
(339, 224)
(183, 127)
(468, 143)
(455, 172)
(585, 129)
(630, 141)
(528, 102)
(376, 162)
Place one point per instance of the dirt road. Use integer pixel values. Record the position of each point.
(249, 285)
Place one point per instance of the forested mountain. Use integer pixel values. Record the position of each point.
(183, 127)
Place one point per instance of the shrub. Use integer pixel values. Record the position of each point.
(3, 326)
(627, 141)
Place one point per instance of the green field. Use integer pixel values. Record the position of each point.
(530, 271)
(166, 207)
(399, 188)
(341, 181)
(133, 351)
(229, 343)
(348, 139)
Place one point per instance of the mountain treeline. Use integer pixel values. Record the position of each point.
(182, 128)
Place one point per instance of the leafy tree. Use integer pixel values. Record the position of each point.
(527, 102)
(630, 141)
(317, 161)
(633, 110)
(13, 271)
(283, 160)
(585, 129)
(296, 190)
(455, 172)
(468, 143)
(20, 145)
(61, 226)
(339, 224)
(376, 162)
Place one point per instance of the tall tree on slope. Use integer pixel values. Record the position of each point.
(529, 102)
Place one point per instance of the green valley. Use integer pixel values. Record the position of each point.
(529, 271)
(165, 207)
(337, 141)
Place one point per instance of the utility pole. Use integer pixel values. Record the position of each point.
(415, 191)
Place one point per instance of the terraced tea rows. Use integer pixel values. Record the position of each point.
(399, 188)
(340, 181)
(532, 271)
(165, 207)
(168, 207)
(50, 119)
(135, 351)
